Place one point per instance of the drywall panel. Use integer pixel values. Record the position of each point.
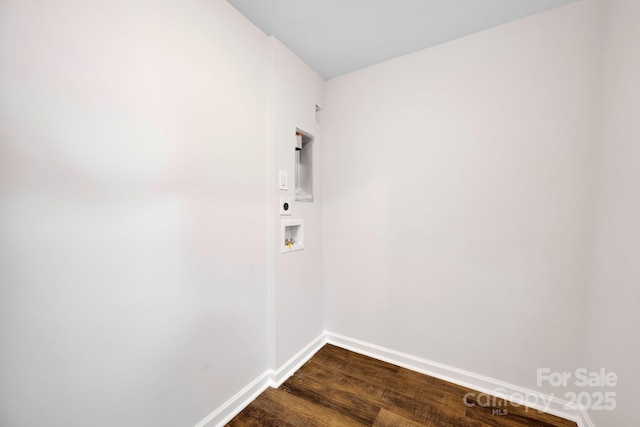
(298, 277)
(459, 194)
(133, 229)
(613, 340)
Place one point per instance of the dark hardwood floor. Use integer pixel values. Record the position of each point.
(341, 388)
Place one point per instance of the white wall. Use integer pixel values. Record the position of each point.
(298, 279)
(613, 339)
(459, 196)
(140, 277)
(133, 221)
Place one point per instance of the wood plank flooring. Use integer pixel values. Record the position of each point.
(340, 388)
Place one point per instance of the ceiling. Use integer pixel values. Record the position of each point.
(339, 36)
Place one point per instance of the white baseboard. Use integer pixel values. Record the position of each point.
(292, 365)
(238, 402)
(483, 384)
(270, 378)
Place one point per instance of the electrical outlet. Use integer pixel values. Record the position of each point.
(285, 206)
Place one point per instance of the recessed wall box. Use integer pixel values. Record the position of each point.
(304, 166)
(292, 235)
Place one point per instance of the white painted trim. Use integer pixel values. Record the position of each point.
(483, 384)
(292, 365)
(585, 419)
(238, 402)
(271, 216)
(463, 378)
(270, 378)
